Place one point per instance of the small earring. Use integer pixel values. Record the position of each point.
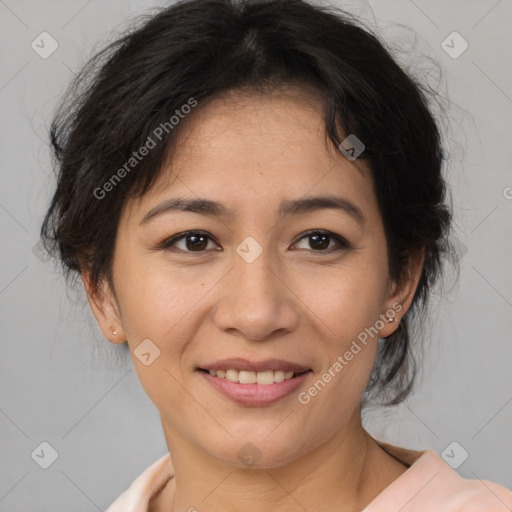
(392, 319)
(114, 332)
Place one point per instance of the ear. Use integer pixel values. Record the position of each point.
(401, 294)
(105, 308)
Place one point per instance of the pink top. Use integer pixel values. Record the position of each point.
(428, 485)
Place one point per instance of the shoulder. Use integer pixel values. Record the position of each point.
(468, 494)
(431, 484)
(471, 495)
(137, 497)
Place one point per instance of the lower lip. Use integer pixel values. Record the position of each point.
(255, 394)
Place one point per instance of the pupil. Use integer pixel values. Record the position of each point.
(198, 241)
(322, 244)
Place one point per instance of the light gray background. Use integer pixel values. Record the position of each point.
(59, 380)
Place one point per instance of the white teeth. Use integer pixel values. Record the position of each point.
(265, 377)
(279, 376)
(247, 377)
(232, 375)
(244, 377)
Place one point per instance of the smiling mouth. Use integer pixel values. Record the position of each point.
(266, 377)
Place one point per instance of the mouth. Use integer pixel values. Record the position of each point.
(254, 384)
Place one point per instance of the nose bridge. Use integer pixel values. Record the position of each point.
(255, 302)
(252, 265)
(255, 286)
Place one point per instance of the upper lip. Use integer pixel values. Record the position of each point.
(255, 366)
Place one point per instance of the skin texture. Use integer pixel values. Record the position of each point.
(294, 302)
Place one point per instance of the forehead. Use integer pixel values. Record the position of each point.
(244, 148)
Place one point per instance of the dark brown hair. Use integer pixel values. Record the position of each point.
(197, 49)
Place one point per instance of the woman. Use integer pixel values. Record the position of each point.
(252, 195)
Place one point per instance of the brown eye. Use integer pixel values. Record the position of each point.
(191, 241)
(320, 241)
(196, 242)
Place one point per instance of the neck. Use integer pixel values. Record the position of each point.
(344, 473)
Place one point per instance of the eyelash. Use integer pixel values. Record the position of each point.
(342, 242)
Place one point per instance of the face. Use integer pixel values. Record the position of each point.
(266, 280)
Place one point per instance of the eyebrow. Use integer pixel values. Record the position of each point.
(287, 207)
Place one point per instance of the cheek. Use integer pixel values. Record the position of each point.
(344, 306)
(345, 300)
(156, 298)
(348, 341)
(158, 306)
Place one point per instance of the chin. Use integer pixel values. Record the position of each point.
(253, 452)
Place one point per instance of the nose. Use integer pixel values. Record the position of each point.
(255, 302)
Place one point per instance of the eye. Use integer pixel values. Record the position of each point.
(197, 241)
(192, 241)
(320, 241)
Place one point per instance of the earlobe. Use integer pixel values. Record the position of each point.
(104, 309)
(402, 294)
